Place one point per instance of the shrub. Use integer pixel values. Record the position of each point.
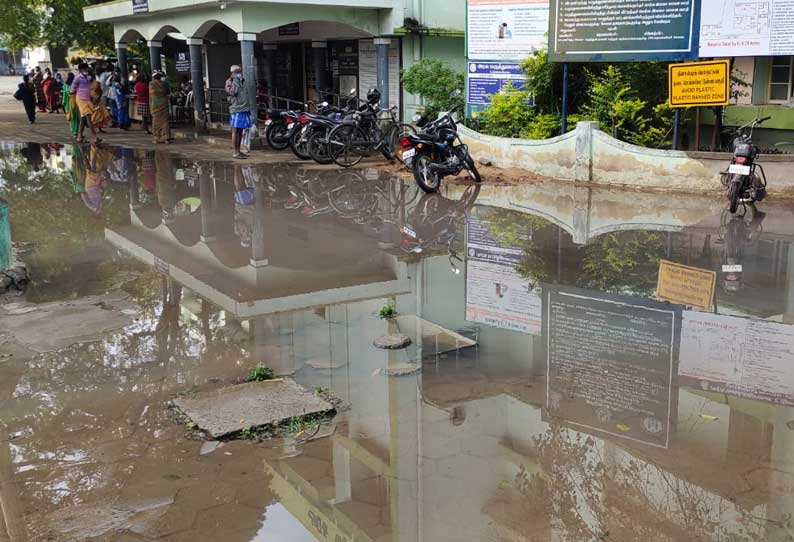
(260, 373)
(434, 81)
(509, 113)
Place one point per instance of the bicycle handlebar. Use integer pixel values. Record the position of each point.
(764, 119)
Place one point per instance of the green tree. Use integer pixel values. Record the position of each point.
(434, 81)
(509, 113)
(52, 23)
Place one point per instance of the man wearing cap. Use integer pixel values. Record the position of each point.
(239, 108)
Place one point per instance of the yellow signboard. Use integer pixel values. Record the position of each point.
(686, 285)
(699, 83)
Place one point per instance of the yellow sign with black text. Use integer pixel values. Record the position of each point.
(699, 83)
(686, 285)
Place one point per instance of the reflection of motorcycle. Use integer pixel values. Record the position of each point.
(435, 222)
(737, 233)
(741, 180)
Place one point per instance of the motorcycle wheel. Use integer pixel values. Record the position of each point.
(276, 135)
(734, 193)
(319, 149)
(427, 180)
(298, 145)
(471, 168)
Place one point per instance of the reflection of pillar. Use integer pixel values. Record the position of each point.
(154, 54)
(269, 67)
(207, 204)
(249, 67)
(788, 317)
(12, 526)
(258, 238)
(382, 52)
(581, 215)
(197, 76)
(319, 50)
(342, 479)
(121, 52)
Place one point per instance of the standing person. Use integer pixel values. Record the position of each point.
(38, 86)
(81, 89)
(105, 78)
(239, 108)
(49, 86)
(100, 118)
(58, 91)
(120, 96)
(159, 101)
(142, 101)
(69, 103)
(26, 94)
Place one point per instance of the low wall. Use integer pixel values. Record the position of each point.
(589, 155)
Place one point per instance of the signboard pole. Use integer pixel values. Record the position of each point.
(564, 97)
(676, 125)
(697, 129)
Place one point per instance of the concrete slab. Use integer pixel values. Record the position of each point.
(244, 406)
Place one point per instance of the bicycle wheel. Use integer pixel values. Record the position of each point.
(350, 153)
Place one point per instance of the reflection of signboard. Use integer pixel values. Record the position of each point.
(506, 29)
(293, 29)
(745, 357)
(686, 285)
(496, 294)
(746, 28)
(487, 78)
(622, 30)
(699, 83)
(161, 266)
(140, 6)
(182, 63)
(610, 363)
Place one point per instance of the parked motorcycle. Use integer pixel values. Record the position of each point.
(743, 183)
(436, 152)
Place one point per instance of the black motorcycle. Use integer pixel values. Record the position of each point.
(743, 183)
(436, 152)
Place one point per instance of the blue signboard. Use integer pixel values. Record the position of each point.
(623, 30)
(487, 78)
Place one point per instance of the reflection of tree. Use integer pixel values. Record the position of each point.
(532, 234)
(591, 489)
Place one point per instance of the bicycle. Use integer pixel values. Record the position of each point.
(367, 133)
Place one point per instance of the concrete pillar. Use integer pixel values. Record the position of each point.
(155, 47)
(319, 55)
(121, 52)
(382, 52)
(207, 209)
(247, 40)
(197, 76)
(584, 151)
(269, 66)
(789, 316)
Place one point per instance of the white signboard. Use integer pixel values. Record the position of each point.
(746, 28)
(496, 294)
(506, 29)
(739, 356)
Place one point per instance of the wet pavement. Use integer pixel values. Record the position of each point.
(586, 410)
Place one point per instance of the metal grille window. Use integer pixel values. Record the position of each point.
(780, 87)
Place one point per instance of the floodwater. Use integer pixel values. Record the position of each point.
(558, 399)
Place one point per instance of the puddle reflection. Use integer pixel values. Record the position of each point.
(558, 400)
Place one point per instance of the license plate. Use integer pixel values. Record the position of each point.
(410, 153)
(268, 122)
(409, 232)
(738, 169)
(732, 268)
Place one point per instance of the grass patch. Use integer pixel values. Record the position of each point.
(260, 373)
(389, 310)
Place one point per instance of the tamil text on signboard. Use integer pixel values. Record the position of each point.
(488, 78)
(622, 30)
(699, 83)
(506, 29)
(686, 285)
(140, 6)
(611, 363)
(746, 27)
(182, 64)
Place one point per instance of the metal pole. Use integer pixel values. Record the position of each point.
(676, 125)
(564, 97)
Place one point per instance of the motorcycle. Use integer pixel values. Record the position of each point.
(741, 180)
(436, 152)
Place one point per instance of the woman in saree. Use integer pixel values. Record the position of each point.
(100, 117)
(69, 103)
(159, 101)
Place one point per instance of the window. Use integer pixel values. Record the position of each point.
(780, 78)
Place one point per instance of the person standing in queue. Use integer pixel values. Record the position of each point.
(141, 89)
(81, 89)
(27, 95)
(159, 101)
(239, 108)
(69, 104)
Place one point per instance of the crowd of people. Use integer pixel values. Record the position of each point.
(96, 99)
